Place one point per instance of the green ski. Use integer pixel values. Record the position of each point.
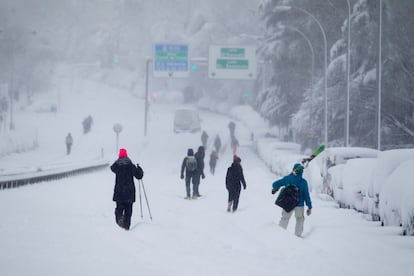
(305, 161)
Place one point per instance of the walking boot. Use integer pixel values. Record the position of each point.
(229, 207)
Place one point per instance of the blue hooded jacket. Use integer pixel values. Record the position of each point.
(299, 182)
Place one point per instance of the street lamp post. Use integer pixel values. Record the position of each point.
(379, 76)
(287, 8)
(348, 60)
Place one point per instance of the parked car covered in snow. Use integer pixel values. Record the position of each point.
(396, 204)
(356, 177)
(340, 155)
(387, 162)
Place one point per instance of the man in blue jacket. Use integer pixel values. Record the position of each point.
(296, 179)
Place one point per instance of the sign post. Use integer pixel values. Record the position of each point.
(171, 61)
(117, 129)
(232, 62)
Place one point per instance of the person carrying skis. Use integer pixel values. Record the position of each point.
(189, 165)
(296, 179)
(199, 155)
(213, 161)
(234, 177)
(124, 190)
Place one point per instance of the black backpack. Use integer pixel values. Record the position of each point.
(288, 198)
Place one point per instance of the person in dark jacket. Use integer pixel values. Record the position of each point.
(124, 190)
(189, 165)
(232, 128)
(204, 138)
(217, 143)
(234, 144)
(199, 155)
(69, 142)
(296, 179)
(213, 161)
(234, 180)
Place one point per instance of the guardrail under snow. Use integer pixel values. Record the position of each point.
(20, 179)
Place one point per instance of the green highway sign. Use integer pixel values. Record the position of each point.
(232, 62)
(233, 52)
(236, 64)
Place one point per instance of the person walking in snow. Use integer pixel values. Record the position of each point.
(296, 179)
(69, 142)
(213, 161)
(189, 165)
(87, 124)
(217, 143)
(232, 128)
(204, 138)
(234, 144)
(199, 155)
(124, 190)
(234, 180)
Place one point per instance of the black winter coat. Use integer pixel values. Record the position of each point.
(234, 177)
(125, 170)
(199, 155)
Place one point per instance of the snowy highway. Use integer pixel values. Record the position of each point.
(67, 227)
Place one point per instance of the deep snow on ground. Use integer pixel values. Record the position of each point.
(67, 227)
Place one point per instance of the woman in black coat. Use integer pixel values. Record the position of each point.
(234, 180)
(124, 190)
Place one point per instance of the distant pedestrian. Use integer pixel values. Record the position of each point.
(213, 161)
(87, 124)
(189, 165)
(69, 142)
(234, 144)
(217, 143)
(124, 190)
(296, 179)
(232, 128)
(234, 180)
(204, 138)
(199, 155)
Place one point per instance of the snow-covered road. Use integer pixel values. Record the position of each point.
(67, 227)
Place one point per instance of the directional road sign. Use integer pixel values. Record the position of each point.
(232, 62)
(171, 61)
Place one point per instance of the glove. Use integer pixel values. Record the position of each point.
(308, 212)
(244, 187)
(182, 176)
(203, 176)
(274, 191)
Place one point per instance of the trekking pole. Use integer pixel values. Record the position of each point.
(140, 202)
(146, 199)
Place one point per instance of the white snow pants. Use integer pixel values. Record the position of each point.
(300, 219)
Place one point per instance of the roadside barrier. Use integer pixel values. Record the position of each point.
(17, 180)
